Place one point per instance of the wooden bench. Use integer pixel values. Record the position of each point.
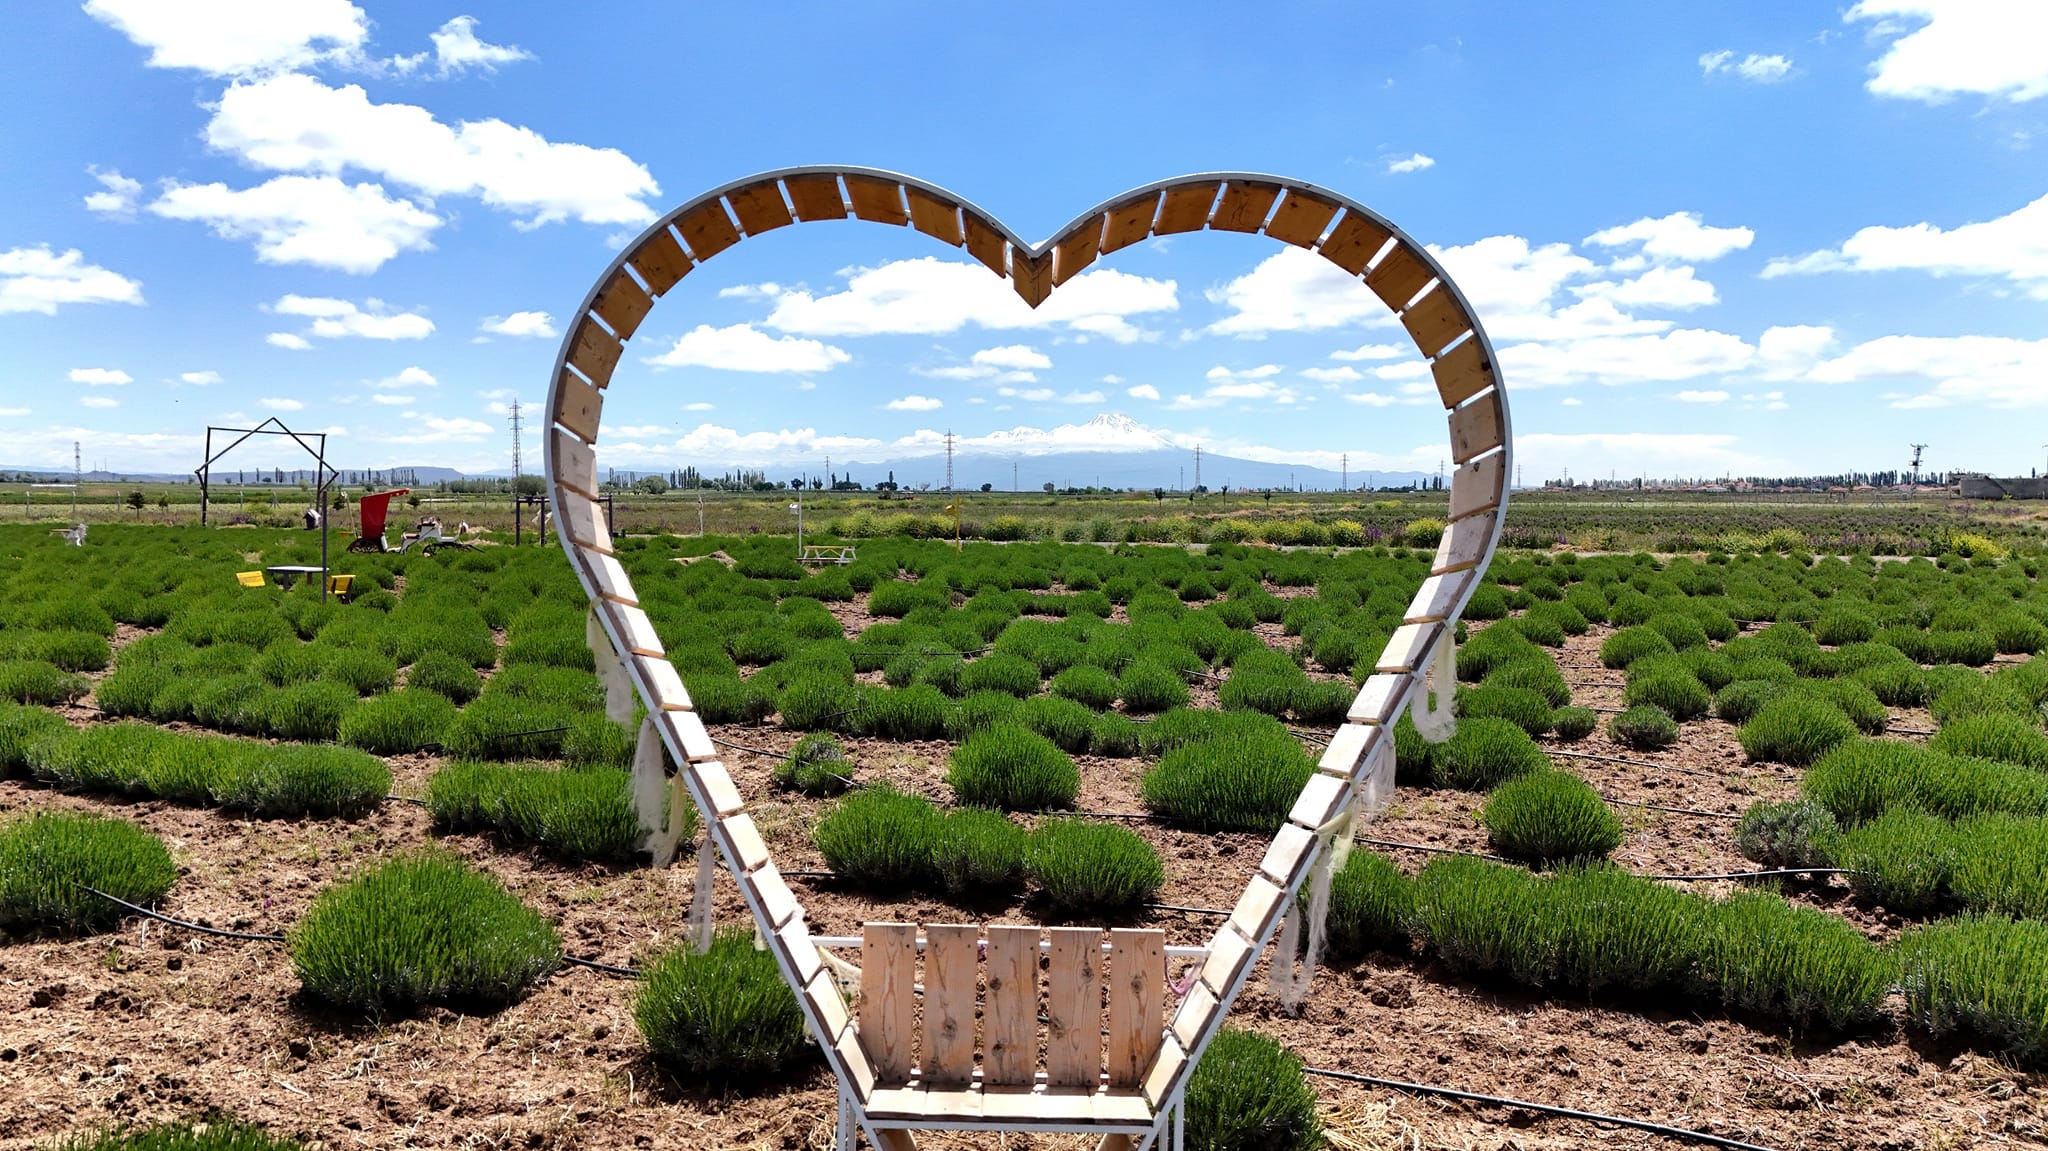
(1011, 1031)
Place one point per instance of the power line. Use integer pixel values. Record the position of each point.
(515, 440)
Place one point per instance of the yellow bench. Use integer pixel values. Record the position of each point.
(340, 586)
(251, 579)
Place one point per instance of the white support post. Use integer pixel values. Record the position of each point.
(847, 1133)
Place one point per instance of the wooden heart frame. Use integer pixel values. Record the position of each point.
(1356, 768)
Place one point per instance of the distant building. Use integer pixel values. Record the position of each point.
(1973, 486)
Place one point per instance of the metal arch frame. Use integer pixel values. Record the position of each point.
(1392, 701)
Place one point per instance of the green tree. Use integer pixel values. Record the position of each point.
(135, 499)
(651, 485)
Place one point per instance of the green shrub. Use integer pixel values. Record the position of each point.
(575, 813)
(1644, 727)
(1994, 735)
(1483, 753)
(1249, 1094)
(981, 711)
(1067, 724)
(1901, 860)
(444, 674)
(1766, 956)
(2001, 865)
(1795, 729)
(295, 781)
(1955, 693)
(306, 712)
(726, 1015)
(1087, 685)
(1483, 918)
(1152, 687)
(980, 853)
(1114, 736)
(1673, 690)
(1093, 869)
(817, 765)
(503, 726)
(1790, 835)
(1371, 906)
(1631, 644)
(1855, 701)
(1897, 684)
(132, 691)
(816, 699)
(881, 838)
(421, 928)
(1000, 671)
(1742, 699)
(1549, 817)
(363, 672)
(1525, 709)
(910, 713)
(1538, 675)
(48, 858)
(1865, 778)
(729, 699)
(22, 730)
(1683, 631)
(1840, 624)
(1608, 930)
(211, 1134)
(1242, 774)
(1014, 769)
(1980, 977)
(35, 681)
(399, 723)
(1574, 723)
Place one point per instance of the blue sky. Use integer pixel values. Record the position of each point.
(1741, 237)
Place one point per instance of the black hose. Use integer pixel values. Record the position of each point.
(162, 918)
(1756, 874)
(1545, 1108)
(594, 965)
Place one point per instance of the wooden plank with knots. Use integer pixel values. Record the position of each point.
(1009, 1018)
(816, 196)
(595, 353)
(1076, 250)
(1137, 1001)
(707, 230)
(622, 304)
(1464, 545)
(1244, 206)
(1073, 1008)
(575, 463)
(1129, 222)
(877, 199)
(950, 950)
(888, 997)
(661, 262)
(1476, 487)
(1461, 373)
(1186, 208)
(578, 407)
(1031, 276)
(1435, 321)
(985, 243)
(1476, 428)
(1398, 276)
(760, 207)
(1300, 218)
(1355, 240)
(934, 217)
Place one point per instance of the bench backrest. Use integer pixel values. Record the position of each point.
(250, 579)
(1002, 1022)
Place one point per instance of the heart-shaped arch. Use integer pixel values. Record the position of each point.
(1356, 769)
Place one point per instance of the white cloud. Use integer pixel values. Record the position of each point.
(236, 37)
(288, 341)
(426, 428)
(1701, 397)
(699, 406)
(2013, 247)
(807, 386)
(1227, 386)
(745, 348)
(456, 48)
(1753, 67)
(1262, 372)
(1548, 454)
(1012, 363)
(1680, 236)
(1571, 402)
(1295, 290)
(98, 402)
(118, 199)
(316, 220)
(1372, 352)
(930, 296)
(278, 404)
(1413, 162)
(99, 377)
(914, 404)
(1029, 395)
(1661, 287)
(335, 319)
(1080, 397)
(413, 377)
(1786, 352)
(1996, 371)
(295, 123)
(1977, 47)
(199, 379)
(10, 412)
(1343, 375)
(389, 400)
(39, 280)
(521, 325)
(727, 446)
(1018, 356)
(1142, 392)
(1685, 354)
(1371, 399)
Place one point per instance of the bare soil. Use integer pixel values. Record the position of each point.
(154, 1022)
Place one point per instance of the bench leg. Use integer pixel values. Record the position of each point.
(847, 1133)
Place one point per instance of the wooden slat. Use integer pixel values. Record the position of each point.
(609, 577)
(577, 515)
(760, 208)
(888, 996)
(635, 630)
(1464, 545)
(595, 352)
(1194, 1015)
(708, 230)
(664, 686)
(661, 262)
(816, 197)
(690, 735)
(1076, 250)
(623, 304)
(1300, 218)
(961, 1103)
(1409, 647)
(829, 1004)
(1121, 1107)
(1355, 240)
(891, 1139)
(1347, 747)
(719, 791)
(1462, 373)
(876, 199)
(986, 244)
(1260, 905)
(949, 993)
(934, 217)
(858, 1069)
(897, 1103)
(1163, 1078)
(1009, 1019)
(1476, 487)
(1435, 321)
(1288, 854)
(1073, 1008)
(1476, 428)
(778, 902)
(1398, 276)
(1129, 222)
(1137, 1001)
(1438, 594)
(1229, 954)
(1322, 797)
(1244, 206)
(1379, 699)
(1032, 277)
(746, 847)
(1186, 208)
(1010, 1105)
(575, 463)
(794, 941)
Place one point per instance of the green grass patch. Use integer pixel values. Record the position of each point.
(725, 1015)
(1983, 978)
(817, 765)
(1148, 687)
(980, 854)
(1234, 772)
(1795, 729)
(1484, 753)
(1794, 834)
(399, 723)
(211, 1134)
(1249, 1094)
(1574, 723)
(1371, 906)
(574, 813)
(1549, 817)
(1087, 868)
(1995, 735)
(1644, 727)
(881, 838)
(48, 859)
(35, 681)
(1013, 769)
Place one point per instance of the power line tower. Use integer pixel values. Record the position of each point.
(949, 459)
(1917, 449)
(515, 441)
(77, 477)
(1198, 467)
(1346, 470)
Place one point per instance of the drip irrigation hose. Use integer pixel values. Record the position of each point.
(1395, 843)
(1217, 911)
(1629, 762)
(1544, 1108)
(594, 965)
(1757, 874)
